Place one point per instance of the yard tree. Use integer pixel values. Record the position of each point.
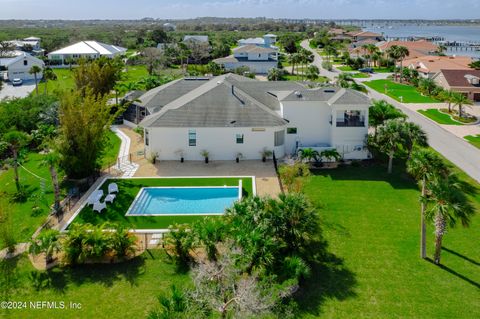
(158, 35)
(460, 100)
(16, 140)
(423, 165)
(312, 72)
(380, 112)
(344, 80)
(448, 96)
(84, 121)
(390, 139)
(447, 203)
(152, 58)
(35, 69)
(46, 242)
(6, 48)
(427, 86)
(52, 160)
(275, 74)
(475, 65)
(398, 53)
(288, 42)
(48, 75)
(413, 136)
(199, 51)
(98, 77)
(294, 59)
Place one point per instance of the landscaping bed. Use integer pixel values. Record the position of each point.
(128, 190)
(474, 140)
(439, 117)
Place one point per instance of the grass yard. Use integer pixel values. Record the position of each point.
(127, 290)
(345, 68)
(439, 117)
(134, 73)
(371, 222)
(397, 90)
(474, 140)
(63, 82)
(111, 153)
(128, 190)
(24, 220)
(359, 75)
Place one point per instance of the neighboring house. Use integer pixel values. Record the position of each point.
(267, 41)
(196, 38)
(85, 49)
(365, 35)
(169, 26)
(416, 49)
(31, 45)
(463, 81)
(231, 114)
(17, 65)
(429, 65)
(257, 58)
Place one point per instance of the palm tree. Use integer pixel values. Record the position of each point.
(398, 53)
(390, 138)
(308, 154)
(52, 160)
(413, 136)
(47, 243)
(35, 70)
(381, 111)
(48, 75)
(331, 154)
(423, 165)
(427, 86)
(274, 74)
(460, 100)
(16, 140)
(448, 97)
(448, 204)
(344, 80)
(312, 72)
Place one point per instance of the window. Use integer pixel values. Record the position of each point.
(279, 138)
(239, 138)
(147, 139)
(291, 130)
(25, 62)
(351, 118)
(192, 138)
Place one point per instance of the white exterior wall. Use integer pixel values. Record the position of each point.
(347, 139)
(312, 120)
(219, 142)
(18, 70)
(258, 56)
(255, 67)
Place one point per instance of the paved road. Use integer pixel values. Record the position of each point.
(455, 149)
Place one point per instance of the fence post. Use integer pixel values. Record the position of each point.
(130, 156)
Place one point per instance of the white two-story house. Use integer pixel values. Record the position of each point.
(231, 114)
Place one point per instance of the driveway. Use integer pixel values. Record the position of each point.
(10, 91)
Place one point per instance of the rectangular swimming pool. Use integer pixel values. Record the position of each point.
(168, 201)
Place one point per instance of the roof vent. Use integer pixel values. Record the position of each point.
(329, 91)
(298, 94)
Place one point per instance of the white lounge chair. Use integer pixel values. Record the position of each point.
(110, 198)
(95, 197)
(99, 206)
(112, 188)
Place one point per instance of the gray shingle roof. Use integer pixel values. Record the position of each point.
(250, 48)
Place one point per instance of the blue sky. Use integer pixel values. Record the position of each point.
(334, 9)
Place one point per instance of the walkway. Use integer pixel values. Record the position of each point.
(123, 163)
(19, 249)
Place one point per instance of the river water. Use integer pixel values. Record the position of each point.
(450, 33)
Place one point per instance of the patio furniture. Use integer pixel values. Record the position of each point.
(110, 198)
(112, 188)
(99, 206)
(95, 197)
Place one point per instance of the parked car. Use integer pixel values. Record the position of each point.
(17, 82)
(366, 70)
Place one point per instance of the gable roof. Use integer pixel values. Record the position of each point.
(459, 78)
(433, 63)
(415, 48)
(249, 48)
(17, 56)
(90, 47)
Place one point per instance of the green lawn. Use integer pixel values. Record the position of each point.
(439, 117)
(474, 140)
(397, 90)
(25, 220)
(128, 190)
(371, 223)
(107, 291)
(345, 68)
(134, 73)
(359, 75)
(63, 82)
(111, 153)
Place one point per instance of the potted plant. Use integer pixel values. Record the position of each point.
(181, 154)
(205, 154)
(152, 158)
(266, 153)
(238, 157)
(332, 156)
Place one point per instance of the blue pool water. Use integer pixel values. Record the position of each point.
(183, 200)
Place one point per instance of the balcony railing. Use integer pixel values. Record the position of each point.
(351, 123)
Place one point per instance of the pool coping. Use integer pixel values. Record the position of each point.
(134, 230)
(239, 197)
